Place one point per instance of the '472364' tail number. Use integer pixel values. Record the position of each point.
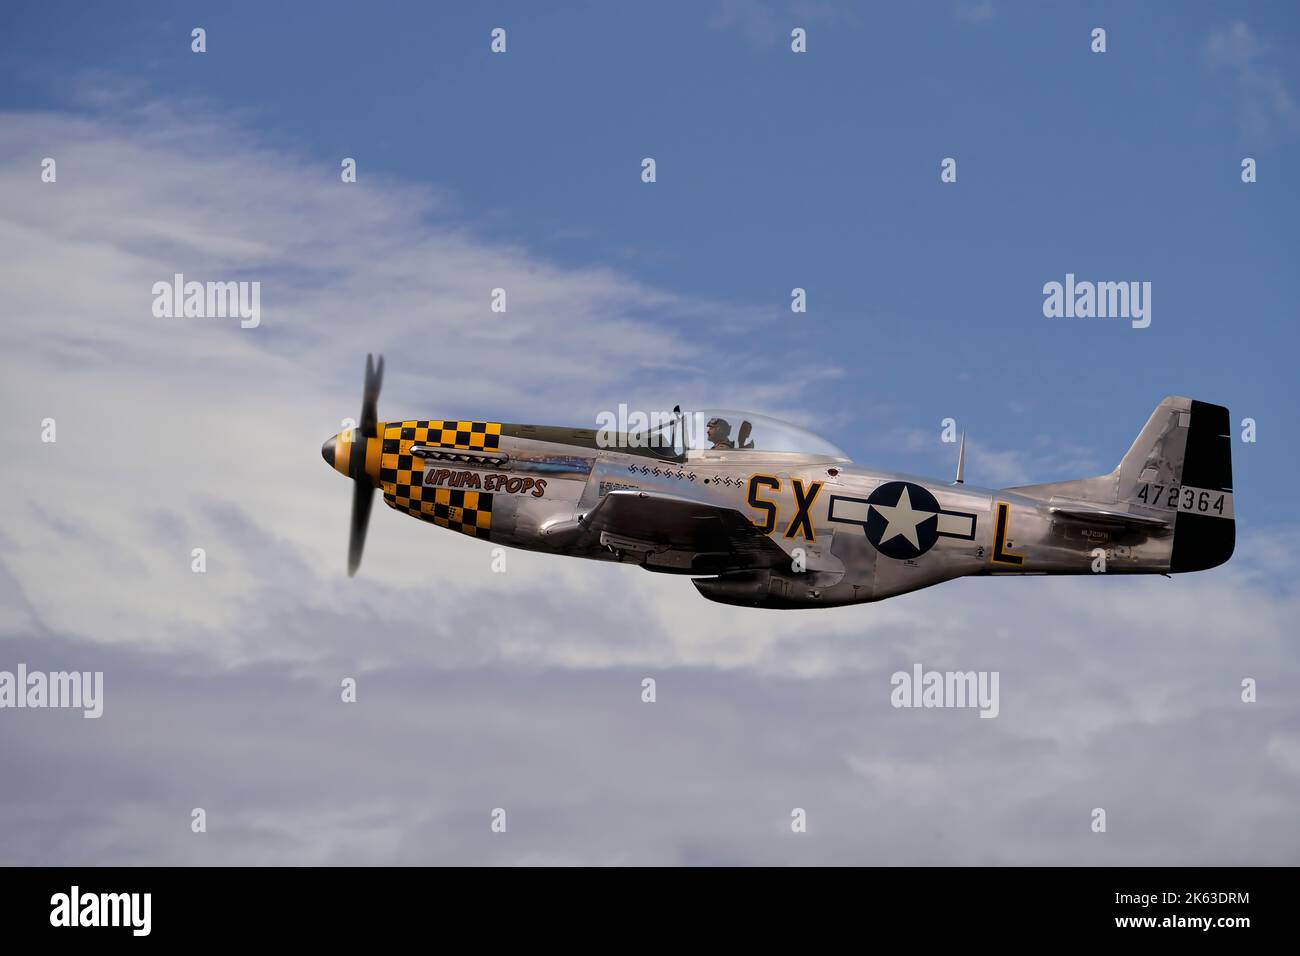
(1186, 498)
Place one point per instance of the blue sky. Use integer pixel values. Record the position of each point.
(775, 170)
(821, 171)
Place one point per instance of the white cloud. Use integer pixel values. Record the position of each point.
(1047, 458)
(763, 23)
(203, 428)
(1263, 97)
(976, 12)
(522, 690)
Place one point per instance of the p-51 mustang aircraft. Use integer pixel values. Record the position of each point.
(769, 515)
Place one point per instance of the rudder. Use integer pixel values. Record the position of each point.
(1205, 528)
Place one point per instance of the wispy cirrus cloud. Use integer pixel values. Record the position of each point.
(1262, 94)
(981, 12)
(764, 23)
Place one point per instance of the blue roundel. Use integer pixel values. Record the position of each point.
(903, 521)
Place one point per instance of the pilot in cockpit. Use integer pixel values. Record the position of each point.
(719, 432)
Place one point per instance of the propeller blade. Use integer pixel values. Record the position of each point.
(363, 496)
(370, 396)
(363, 492)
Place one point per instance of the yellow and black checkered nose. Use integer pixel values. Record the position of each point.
(350, 454)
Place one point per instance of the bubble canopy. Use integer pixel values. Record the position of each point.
(726, 430)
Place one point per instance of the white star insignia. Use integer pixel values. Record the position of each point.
(902, 520)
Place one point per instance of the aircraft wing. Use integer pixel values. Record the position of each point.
(680, 533)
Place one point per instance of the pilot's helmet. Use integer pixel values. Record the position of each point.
(722, 425)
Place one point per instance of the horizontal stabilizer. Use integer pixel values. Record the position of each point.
(1086, 511)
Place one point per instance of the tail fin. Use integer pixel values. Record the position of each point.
(1179, 469)
(1187, 448)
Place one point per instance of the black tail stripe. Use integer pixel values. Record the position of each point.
(1207, 462)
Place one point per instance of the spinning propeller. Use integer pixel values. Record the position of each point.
(347, 452)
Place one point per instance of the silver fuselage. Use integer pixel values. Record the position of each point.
(839, 563)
